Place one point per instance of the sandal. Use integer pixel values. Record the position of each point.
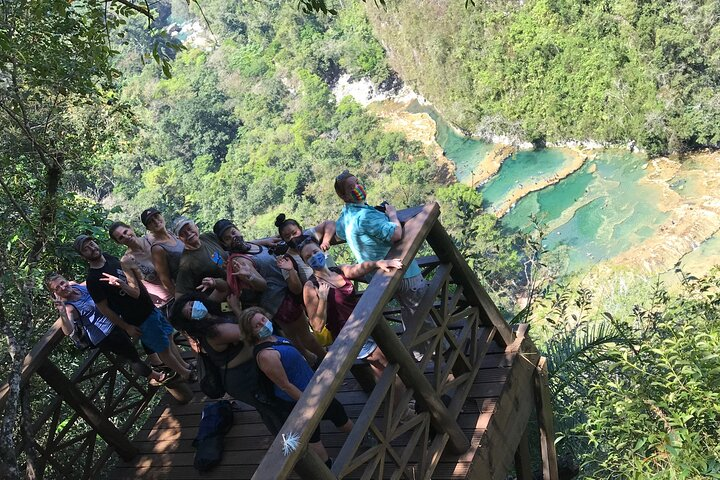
(164, 379)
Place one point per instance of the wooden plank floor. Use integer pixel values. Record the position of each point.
(165, 442)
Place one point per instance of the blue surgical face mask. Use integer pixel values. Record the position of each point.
(317, 261)
(266, 330)
(198, 311)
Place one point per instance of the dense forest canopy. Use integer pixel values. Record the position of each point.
(104, 113)
(558, 70)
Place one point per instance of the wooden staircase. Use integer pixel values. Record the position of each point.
(479, 384)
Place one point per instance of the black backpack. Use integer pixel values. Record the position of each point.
(266, 393)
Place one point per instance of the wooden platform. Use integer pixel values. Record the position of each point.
(166, 449)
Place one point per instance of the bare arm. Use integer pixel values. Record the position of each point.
(269, 362)
(392, 215)
(105, 309)
(219, 286)
(316, 304)
(267, 241)
(326, 232)
(293, 279)
(248, 274)
(359, 270)
(160, 262)
(132, 274)
(67, 315)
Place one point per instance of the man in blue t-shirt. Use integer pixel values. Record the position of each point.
(370, 233)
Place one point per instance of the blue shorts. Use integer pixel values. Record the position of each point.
(155, 331)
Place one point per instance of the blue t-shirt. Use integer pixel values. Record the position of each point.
(296, 368)
(97, 325)
(368, 232)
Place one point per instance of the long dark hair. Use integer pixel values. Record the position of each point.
(196, 328)
(281, 222)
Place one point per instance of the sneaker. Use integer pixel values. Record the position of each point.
(369, 440)
(407, 415)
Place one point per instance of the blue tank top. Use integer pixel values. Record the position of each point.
(97, 325)
(296, 368)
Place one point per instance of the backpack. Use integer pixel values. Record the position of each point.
(210, 377)
(80, 336)
(216, 421)
(266, 390)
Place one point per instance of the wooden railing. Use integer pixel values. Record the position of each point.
(85, 417)
(465, 323)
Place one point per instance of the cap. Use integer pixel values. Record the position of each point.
(147, 213)
(222, 225)
(80, 241)
(180, 222)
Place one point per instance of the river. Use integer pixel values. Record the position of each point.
(618, 209)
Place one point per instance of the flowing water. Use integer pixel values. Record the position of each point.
(594, 214)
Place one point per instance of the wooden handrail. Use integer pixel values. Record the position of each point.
(327, 379)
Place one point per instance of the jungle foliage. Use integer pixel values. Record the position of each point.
(244, 125)
(557, 70)
(636, 390)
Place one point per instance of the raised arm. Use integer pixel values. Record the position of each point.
(132, 274)
(269, 362)
(326, 232)
(316, 304)
(249, 275)
(160, 262)
(392, 215)
(67, 315)
(267, 241)
(291, 275)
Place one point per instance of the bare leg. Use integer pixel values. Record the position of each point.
(177, 353)
(154, 360)
(173, 362)
(347, 427)
(319, 448)
(378, 362)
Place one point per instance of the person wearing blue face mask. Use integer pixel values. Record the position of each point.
(289, 373)
(218, 335)
(329, 294)
(330, 299)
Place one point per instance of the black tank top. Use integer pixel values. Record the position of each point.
(221, 359)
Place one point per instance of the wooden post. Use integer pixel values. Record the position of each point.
(413, 378)
(80, 403)
(317, 396)
(523, 469)
(463, 275)
(543, 406)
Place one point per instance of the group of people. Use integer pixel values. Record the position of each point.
(266, 307)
